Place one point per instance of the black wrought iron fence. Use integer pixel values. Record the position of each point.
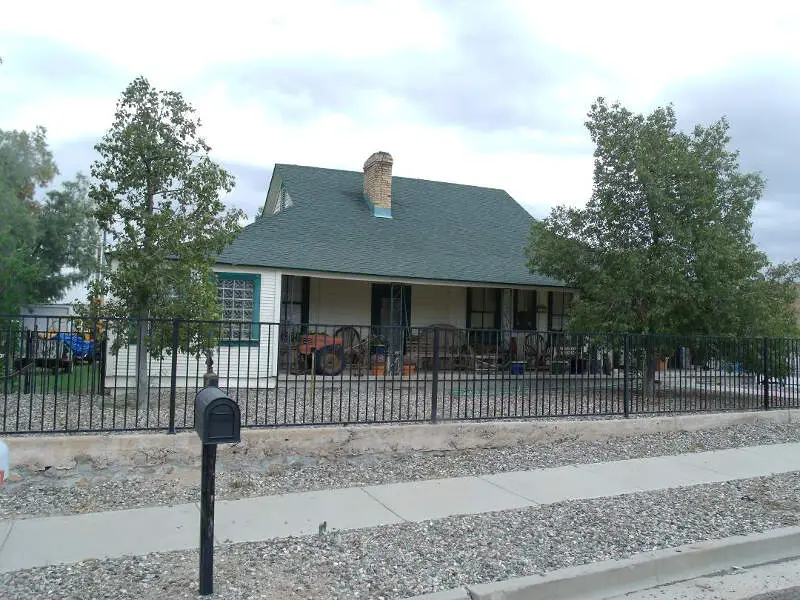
(72, 375)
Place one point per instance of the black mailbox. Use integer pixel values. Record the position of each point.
(217, 419)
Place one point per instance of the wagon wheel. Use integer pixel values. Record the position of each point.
(534, 347)
(351, 344)
(330, 360)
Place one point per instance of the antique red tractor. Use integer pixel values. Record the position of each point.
(322, 353)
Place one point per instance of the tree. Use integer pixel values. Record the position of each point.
(664, 243)
(157, 193)
(46, 244)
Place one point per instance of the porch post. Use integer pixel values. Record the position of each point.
(507, 317)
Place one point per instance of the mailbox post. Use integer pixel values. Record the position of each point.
(217, 420)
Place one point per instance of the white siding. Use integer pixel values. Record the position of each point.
(234, 362)
(346, 302)
(338, 302)
(438, 305)
(541, 318)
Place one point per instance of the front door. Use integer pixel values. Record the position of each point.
(391, 316)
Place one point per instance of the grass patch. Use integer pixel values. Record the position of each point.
(82, 378)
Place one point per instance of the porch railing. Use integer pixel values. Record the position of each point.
(60, 374)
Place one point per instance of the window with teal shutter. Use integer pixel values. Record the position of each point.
(239, 296)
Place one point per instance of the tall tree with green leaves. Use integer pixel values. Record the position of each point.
(48, 238)
(664, 244)
(158, 196)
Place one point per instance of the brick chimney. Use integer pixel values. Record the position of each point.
(378, 184)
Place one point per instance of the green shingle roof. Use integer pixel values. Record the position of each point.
(438, 231)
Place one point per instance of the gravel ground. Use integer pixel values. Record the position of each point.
(343, 401)
(96, 487)
(414, 558)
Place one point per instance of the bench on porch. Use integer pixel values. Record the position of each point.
(454, 351)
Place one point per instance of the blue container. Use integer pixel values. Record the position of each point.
(517, 368)
(380, 354)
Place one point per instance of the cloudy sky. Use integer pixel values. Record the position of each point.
(485, 93)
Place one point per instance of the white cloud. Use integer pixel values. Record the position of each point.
(246, 132)
(65, 116)
(643, 47)
(638, 50)
(172, 41)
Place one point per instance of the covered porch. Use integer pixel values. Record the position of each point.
(379, 328)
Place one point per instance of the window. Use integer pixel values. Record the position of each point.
(295, 293)
(294, 299)
(283, 201)
(483, 312)
(239, 297)
(484, 307)
(558, 310)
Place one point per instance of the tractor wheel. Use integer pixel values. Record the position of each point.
(330, 360)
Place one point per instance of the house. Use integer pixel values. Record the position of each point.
(381, 253)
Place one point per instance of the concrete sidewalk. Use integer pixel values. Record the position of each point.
(28, 543)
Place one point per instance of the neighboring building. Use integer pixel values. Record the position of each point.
(43, 316)
(337, 248)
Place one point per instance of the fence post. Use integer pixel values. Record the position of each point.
(30, 358)
(173, 380)
(435, 382)
(765, 356)
(626, 400)
(103, 364)
(8, 353)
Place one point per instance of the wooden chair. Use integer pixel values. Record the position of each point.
(454, 351)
